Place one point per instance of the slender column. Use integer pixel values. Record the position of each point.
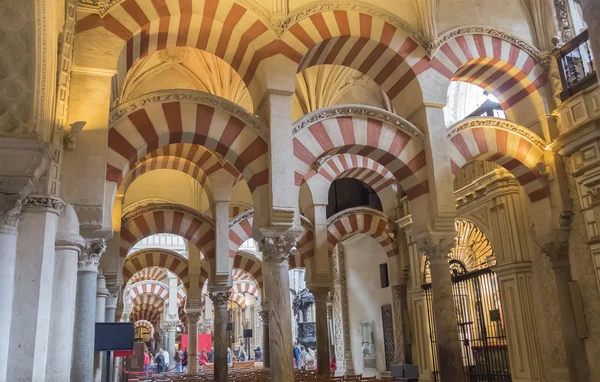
(264, 315)
(219, 299)
(192, 319)
(276, 251)
(576, 355)
(68, 247)
(34, 278)
(101, 294)
(10, 215)
(343, 346)
(82, 368)
(446, 329)
(110, 316)
(320, 294)
(400, 311)
(171, 333)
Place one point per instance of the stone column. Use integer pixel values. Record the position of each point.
(343, 346)
(449, 352)
(574, 346)
(110, 316)
(264, 315)
(220, 298)
(10, 215)
(193, 317)
(400, 313)
(82, 367)
(276, 251)
(60, 343)
(33, 282)
(320, 295)
(101, 294)
(171, 329)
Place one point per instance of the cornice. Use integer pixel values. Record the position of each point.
(166, 207)
(497, 123)
(194, 96)
(357, 111)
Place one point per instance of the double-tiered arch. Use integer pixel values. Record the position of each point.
(156, 258)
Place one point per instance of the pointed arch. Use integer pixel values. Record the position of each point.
(504, 143)
(168, 218)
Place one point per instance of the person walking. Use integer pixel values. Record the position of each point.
(160, 361)
(302, 358)
(178, 359)
(147, 361)
(296, 355)
(203, 358)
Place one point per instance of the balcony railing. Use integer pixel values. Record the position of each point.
(576, 65)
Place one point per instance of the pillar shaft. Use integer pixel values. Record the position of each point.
(320, 295)
(192, 329)
(449, 352)
(110, 316)
(400, 312)
(101, 294)
(276, 251)
(33, 281)
(266, 349)
(60, 343)
(82, 367)
(219, 299)
(171, 328)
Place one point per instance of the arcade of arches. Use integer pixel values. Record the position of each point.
(385, 182)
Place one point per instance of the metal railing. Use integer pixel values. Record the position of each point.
(576, 65)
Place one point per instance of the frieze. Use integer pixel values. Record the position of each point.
(500, 124)
(358, 111)
(166, 207)
(434, 45)
(191, 96)
(51, 203)
(360, 210)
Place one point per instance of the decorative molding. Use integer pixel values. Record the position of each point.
(220, 298)
(90, 217)
(358, 111)
(194, 96)
(11, 207)
(88, 70)
(168, 207)
(434, 45)
(144, 202)
(497, 123)
(276, 250)
(89, 257)
(51, 203)
(305, 222)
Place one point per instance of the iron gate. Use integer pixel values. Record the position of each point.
(480, 327)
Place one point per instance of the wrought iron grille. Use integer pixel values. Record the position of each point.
(387, 318)
(481, 329)
(576, 65)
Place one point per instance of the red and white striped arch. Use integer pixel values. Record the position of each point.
(136, 132)
(150, 273)
(240, 230)
(156, 288)
(149, 258)
(240, 275)
(502, 68)
(239, 299)
(249, 264)
(338, 130)
(385, 53)
(361, 220)
(305, 246)
(507, 144)
(168, 218)
(241, 287)
(147, 307)
(222, 27)
(144, 324)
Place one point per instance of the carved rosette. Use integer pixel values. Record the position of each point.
(11, 207)
(277, 249)
(89, 257)
(220, 298)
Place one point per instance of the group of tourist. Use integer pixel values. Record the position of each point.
(302, 356)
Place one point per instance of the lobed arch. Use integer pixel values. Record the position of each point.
(366, 131)
(504, 143)
(168, 218)
(352, 221)
(144, 324)
(381, 49)
(508, 69)
(156, 257)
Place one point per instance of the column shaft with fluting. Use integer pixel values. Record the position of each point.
(82, 367)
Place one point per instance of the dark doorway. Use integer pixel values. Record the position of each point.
(347, 193)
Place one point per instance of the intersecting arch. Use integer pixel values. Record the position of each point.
(352, 221)
(504, 143)
(168, 218)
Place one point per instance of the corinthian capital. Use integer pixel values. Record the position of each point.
(11, 206)
(277, 249)
(220, 297)
(436, 247)
(89, 257)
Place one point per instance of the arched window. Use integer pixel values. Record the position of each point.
(347, 193)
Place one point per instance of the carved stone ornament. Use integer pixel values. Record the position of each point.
(264, 316)
(564, 23)
(277, 249)
(219, 298)
(111, 300)
(436, 248)
(243, 216)
(10, 210)
(50, 203)
(193, 317)
(89, 257)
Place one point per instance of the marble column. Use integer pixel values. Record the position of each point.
(577, 361)
(33, 282)
(68, 248)
(192, 320)
(219, 299)
(82, 367)
(320, 295)
(110, 316)
(449, 352)
(171, 328)
(101, 294)
(264, 315)
(400, 313)
(10, 215)
(343, 346)
(276, 251)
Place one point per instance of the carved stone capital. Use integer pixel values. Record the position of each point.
(219, 298)
(11, 206)
(89, 258)
(436, 248)
(264, 316)
(277, 249)
(193, 316)
(111, 300)
(558, 251)
(47, 203)
(320, 293)
(170, 326)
